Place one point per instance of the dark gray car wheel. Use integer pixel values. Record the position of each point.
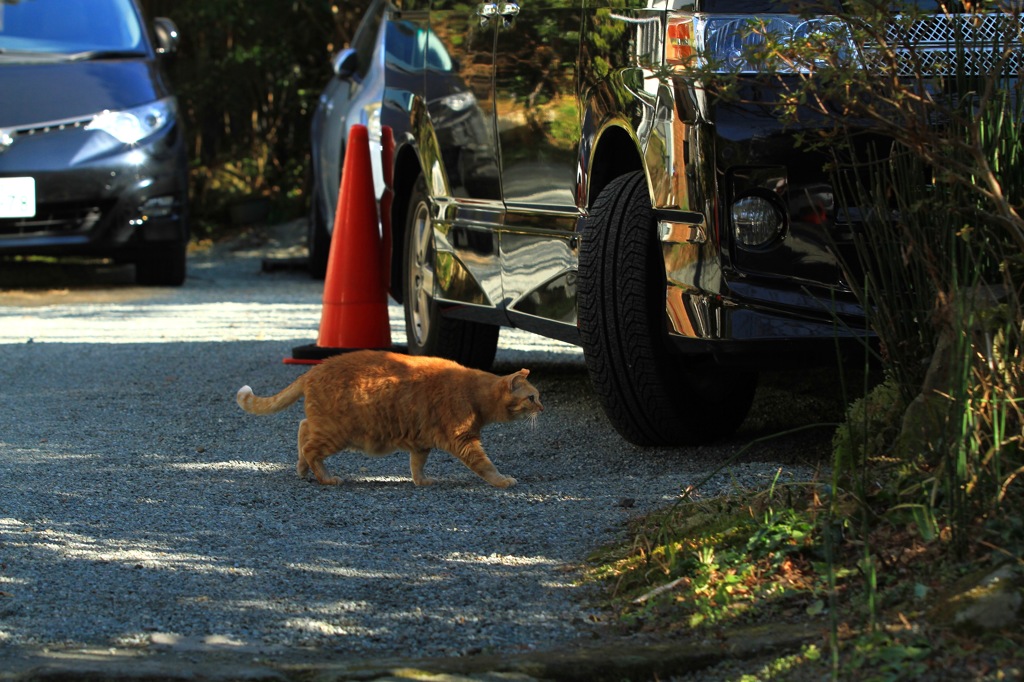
(650, 395)
(318, 240)
(163, 264)
(429, 333)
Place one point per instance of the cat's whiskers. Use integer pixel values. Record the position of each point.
(532, 418)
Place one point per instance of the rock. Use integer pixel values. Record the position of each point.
(987, 600)
(925, 420)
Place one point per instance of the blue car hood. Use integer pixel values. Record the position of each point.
(44, 92)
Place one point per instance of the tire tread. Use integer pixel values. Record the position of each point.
(648, 395)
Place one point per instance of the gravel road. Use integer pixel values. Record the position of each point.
(140, 508)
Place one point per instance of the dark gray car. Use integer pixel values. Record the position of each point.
(92, 149)
(385, 60)
(352, 96)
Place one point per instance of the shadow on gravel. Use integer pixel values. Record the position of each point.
(35, 283)
(142, 510)
(141, 505)
(79, 273)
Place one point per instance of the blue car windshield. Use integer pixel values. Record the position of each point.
(69, 27)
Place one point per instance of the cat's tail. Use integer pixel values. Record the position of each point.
(275, 403)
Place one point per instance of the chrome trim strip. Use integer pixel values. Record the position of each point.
(681, 233)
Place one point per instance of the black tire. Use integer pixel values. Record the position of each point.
(651, 396)
(162, 265)
(429, 333)
(318, 240)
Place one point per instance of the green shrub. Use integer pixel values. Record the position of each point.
(247, 74)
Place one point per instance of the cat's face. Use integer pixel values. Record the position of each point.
(523, 398)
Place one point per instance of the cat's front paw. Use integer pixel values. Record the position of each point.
(504, 482)
(425, 481)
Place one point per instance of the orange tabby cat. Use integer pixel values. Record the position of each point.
(379, 402)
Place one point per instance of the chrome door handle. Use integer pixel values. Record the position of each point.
(506, 10)
(486, 11)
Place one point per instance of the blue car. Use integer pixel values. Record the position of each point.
(92, 148)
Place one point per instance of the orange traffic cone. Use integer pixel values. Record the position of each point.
(355, 302)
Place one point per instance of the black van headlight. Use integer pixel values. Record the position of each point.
(757, 221)
(734, 43)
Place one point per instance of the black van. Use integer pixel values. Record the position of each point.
(608, 200)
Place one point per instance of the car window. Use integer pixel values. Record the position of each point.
(408, 45)
(70, 26)
(403, 49)
(437, 57)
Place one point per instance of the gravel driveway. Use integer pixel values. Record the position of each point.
(141, 508)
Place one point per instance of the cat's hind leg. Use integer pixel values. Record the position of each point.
(416, 462)
(312, 453)
(472, 454)
(301, 467)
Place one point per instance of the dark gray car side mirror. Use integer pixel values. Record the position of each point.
(166, 32)
(345, 63)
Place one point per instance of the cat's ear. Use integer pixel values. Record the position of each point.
(518, 379)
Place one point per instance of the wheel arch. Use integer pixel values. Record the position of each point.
(615, 153)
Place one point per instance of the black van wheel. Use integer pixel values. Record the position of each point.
(650, 396)
(429, 333)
